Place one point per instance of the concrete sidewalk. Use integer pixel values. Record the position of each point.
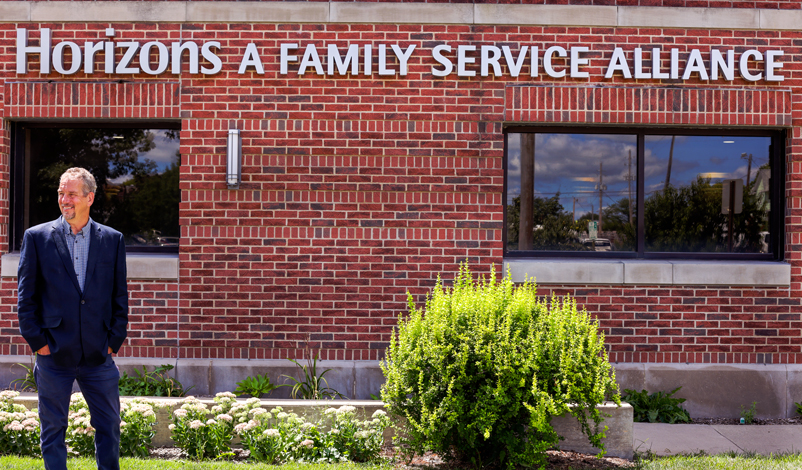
(673, 439)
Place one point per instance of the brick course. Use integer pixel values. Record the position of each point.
(357, 190)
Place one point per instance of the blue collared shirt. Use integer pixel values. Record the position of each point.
(79, 249)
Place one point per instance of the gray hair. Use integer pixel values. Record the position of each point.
(86, 178)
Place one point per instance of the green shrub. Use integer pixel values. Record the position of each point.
(479, 373)
(658, 407)
(156, 383)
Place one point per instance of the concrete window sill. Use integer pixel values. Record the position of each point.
(140, 265)
(650, 272)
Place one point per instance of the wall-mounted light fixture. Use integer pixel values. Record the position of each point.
(234, 159)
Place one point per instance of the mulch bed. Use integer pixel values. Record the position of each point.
(557, 460)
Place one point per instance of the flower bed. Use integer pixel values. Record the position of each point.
(619, 440)
(207, 429)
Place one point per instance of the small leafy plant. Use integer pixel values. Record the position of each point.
(156, 383)
(798, 408)
(256, 386)
(312, 386)
(748, 414)
(657, 407)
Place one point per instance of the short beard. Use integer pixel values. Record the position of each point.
(68, 217)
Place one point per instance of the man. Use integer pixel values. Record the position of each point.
(73, 311)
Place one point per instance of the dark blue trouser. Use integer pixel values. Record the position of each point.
(100, 387)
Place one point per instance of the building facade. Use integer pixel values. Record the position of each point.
(384, 143)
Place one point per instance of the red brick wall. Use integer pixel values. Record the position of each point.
(357, 190)
(699, 324)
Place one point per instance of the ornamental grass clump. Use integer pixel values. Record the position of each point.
(478, 374)
(19, 428)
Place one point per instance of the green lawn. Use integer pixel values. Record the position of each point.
(727, 461)
(695, 462)
(19, 463)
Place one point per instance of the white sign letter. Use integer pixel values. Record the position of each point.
(383, 70)
(90, 49)
(618, 62)
(744, 63)
(351, 57)
(515, 65)
(547, 61)
(58, 57)
(772, 65)
(310, 59)
(43, 49)
(656, 73)
(251, 59)
(206, 52)
(144, 58)
(123, 67)
(639, 73)
(285, 57)
(490, 56)
(403, 57)
(462, 60)
(695, 64)
(727, 67)
(448, 66)
(576, 61)
(177, 50)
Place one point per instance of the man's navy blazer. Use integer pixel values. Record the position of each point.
(53, 311)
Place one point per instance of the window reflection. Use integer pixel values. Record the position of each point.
(580, 190)
(686, 177)
(137, 173)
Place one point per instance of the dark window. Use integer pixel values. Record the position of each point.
(136, 169)
(643, 193)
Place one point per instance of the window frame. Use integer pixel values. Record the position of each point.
(17, 181)
(776, 214)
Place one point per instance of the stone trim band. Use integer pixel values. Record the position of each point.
(400, 13)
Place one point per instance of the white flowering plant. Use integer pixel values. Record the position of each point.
(20, 427)
(357, 440)
(80, 433)
(276, 437)
(231, 412)
(312, 445)
(199, 436)
(137, 419)
(267, 434)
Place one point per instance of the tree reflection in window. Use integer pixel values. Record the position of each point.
(568, 180)
(137, 172)
(557, 184)
(683, 207)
